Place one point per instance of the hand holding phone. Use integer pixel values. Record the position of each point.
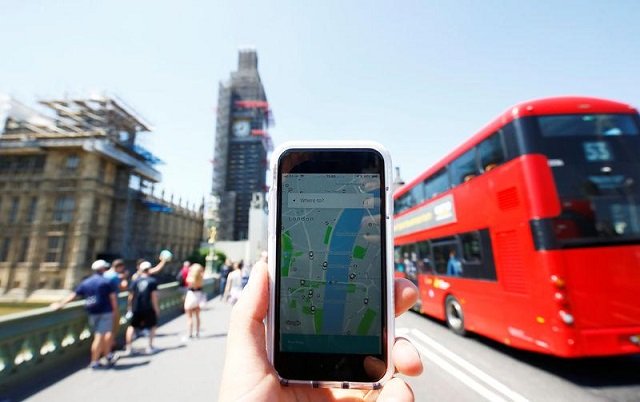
(330, 322)
(248, 374)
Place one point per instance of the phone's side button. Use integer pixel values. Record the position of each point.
(345, 385)
(315, 384)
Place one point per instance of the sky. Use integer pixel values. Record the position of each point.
(420, 77)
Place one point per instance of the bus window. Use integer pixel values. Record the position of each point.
(417, 194)
(464, 168)
(424, 258)
(412, 198)
(471, 251)
(491, 153)
(597, 181)
(410, 265)
(402, 203)
(477, 257)
(441, 253)
(597, 125)
(437, 184)
(397, 259)
(405, 258)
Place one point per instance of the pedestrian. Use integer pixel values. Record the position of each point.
(116, 276)
(182, 275)
(224, 273)
(246, 273)
(193, 298)
(249, 376)
(144, 307)
(234, 286)
(454, 266)
(151, 271)
(100, 303)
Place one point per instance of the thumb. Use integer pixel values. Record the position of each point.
(246, 355)
(253, 304)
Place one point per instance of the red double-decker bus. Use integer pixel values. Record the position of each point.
(529, 233)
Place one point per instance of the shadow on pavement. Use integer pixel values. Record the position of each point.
(594, 372)
(165, 334)
(126, 366)
(210, 336)
(140, 352)
(41, 382)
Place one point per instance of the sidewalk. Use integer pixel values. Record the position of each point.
(178, 371)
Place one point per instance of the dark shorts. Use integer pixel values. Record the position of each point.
(144, 319)
(101, 323)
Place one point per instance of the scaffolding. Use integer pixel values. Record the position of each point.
(103, 124)
(241, 162)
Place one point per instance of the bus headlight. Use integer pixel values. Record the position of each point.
(566, 317)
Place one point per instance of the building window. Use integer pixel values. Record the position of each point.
(13, 211)
(102, 168)
(63, 209)
(55, 246)
(91, 245)
(38, 163)
(31, 212)
(72, 162)
(4, 248)
(96, 218)
(24, 250)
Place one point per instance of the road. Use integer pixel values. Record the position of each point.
(456, 369)
(474, 368)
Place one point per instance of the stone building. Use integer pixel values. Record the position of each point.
(75, 186)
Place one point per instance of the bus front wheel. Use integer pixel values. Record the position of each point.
(454, 315)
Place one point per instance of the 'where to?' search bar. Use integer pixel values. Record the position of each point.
(330, 200)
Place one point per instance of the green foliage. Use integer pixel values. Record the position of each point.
(200, 257)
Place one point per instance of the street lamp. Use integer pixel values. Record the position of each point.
(211, 256)
(211, 219)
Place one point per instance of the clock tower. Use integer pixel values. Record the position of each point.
(242, 146)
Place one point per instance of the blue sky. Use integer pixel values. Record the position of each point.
(419, 77)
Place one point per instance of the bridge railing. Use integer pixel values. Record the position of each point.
(39, 340)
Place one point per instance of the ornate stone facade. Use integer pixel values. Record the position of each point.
(74, 186)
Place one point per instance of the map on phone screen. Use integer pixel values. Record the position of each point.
(330, 263)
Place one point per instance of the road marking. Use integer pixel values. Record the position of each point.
(464, 364)
(459, 375)
(497, 385)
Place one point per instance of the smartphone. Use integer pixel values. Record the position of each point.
(330, 321)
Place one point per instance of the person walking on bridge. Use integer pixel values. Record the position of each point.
(100, 302)
(193, 299)
(143, 303)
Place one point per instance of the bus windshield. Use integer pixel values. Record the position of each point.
(587, 125)
(596, 165)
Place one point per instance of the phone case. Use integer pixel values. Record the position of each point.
(388, 214)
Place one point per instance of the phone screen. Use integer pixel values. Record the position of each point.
(330, 266)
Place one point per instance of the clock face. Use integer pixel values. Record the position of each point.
(241, 128)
